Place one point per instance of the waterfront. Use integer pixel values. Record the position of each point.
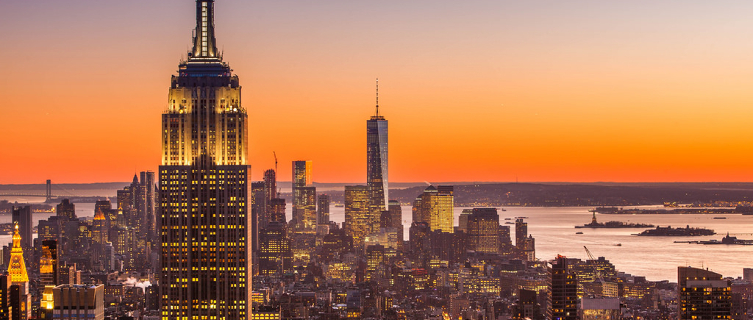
(657, 258)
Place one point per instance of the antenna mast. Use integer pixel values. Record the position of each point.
(377, 97)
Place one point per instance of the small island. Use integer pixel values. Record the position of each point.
(677, 232)
(726, 240)
(613, 224)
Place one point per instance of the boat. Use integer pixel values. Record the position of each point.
(579, 232)
(509, 222)
(677, 232)
(618, 244)
(508, 218)
(719, 218)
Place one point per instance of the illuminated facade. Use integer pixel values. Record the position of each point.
(376, 163)
(357, 214)
(435, 206)
(203, 181)
(275, 255)
(304, 197)
(20, 299)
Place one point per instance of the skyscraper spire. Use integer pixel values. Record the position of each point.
(17, 267)
(377, 97)
(204, 44)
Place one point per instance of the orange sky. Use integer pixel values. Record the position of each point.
(474, 91)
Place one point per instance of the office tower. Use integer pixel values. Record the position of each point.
(102, 205)
(203, 183)
(99, 228)
(420, 241)
(22, 218)
(275, 256)
(435, 206)
(702, 295)
(277, 210)
(149, 185)
(322, 209)
(307, 205)
(483, 230)
(20, 299)
(377, 165)
(563, 291)
(521, 233)
(504, 239)
(374, 261)
(47, 303)
(258, 210)
(304, 208)
(463, 220)
(357, 214)
(270, 192)
(72, 301)
(66, 209)
(48, 263)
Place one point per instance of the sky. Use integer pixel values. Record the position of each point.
(531, 91)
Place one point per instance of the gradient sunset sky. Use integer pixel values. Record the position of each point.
(473, 90)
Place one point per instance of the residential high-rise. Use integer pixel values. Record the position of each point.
(22, 219)
(322, 209)
(357, 214)
(563, 291)
(483, 230)
(376, 161)
(203, 181)
(702, 295)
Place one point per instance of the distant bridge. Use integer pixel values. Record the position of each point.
(47, 194)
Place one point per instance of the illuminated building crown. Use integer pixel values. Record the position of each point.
(17, 266)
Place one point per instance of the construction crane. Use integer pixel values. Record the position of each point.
(275, 154)
(597, 272)
(279, 189)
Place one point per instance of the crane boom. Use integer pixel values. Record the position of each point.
(596, 269)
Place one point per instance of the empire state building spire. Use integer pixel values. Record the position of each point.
(204, 44)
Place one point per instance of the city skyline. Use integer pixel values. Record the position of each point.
(535, 92)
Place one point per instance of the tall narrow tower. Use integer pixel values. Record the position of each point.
(203, 181)
(376, 162)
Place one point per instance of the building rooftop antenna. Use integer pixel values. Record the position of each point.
(377, 97)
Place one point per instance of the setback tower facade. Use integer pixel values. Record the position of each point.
(203, 181)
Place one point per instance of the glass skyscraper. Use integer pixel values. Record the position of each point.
(203, 181)
(376, 165)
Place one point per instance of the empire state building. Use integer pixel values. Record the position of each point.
(203, 181)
